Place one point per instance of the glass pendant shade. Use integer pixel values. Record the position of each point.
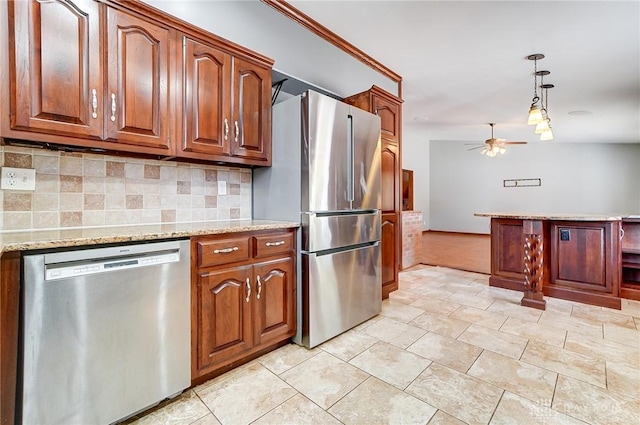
(542, 126)
(535, 115)
(502, 151)
(547, 135)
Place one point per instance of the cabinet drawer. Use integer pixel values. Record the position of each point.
(223, 251)
(273, 244)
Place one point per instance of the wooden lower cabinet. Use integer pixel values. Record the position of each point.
(242, 307)
(389, 258)
(630, 263)
(580, 259)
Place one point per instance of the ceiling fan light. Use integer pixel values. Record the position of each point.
(547, 135)
(502, 151)
(491, 153)
(495, 148)
(542, 126)
(535, 115)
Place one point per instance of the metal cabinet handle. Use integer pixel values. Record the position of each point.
(248, 285)
(621, 233)
(275, 243)
(225, 250)
(226, 129)
(237, 130)
(259, 288)
(94, 103)
(113, 106)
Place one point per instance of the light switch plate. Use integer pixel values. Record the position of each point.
(18, 179)
(222, 188)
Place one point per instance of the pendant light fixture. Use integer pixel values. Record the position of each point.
(547, 134)
(535, 111)
(543, 125)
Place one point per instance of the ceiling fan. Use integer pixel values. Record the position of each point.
(493, 146)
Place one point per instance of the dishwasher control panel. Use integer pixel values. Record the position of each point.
(67, 270)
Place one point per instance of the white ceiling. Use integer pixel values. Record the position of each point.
(464, 63)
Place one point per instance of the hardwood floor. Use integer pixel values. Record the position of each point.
(463, 251)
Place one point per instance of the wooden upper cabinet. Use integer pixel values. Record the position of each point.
(387, 106)
(138, 80)
(206, 99)
(251, 111)
(122, 76)
(55, 67)
(389, 113)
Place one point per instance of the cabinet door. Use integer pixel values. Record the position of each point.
(389, 259)
(224, 326)
(251, 112)
(206, 99)
(56, 75)
(390, 177)
(137, 101)
(389, 113)
(275, 303)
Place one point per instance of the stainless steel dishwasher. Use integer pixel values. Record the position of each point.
(106, 332)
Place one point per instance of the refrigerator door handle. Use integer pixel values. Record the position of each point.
(350, 154)
(345, 248)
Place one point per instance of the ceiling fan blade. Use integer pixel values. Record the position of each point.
(477, 147)
(514, 143)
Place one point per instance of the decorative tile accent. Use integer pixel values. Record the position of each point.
(118, 190)
(151, 171)
(71, 218)
(17, 160)
(135, 202)
(115, 169)
(70, 184)
(17, 201)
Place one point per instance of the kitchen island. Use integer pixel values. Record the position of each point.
(575, 257)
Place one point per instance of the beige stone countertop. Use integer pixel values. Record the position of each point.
(550, 216)
(45, 239)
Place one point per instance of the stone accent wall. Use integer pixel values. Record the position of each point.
(81, 189)
(411, 238)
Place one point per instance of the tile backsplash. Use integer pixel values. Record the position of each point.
(82, 189)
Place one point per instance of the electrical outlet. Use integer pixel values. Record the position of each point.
(222, 188)
(18, 179)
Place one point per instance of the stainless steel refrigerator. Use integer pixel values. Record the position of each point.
(326, 175)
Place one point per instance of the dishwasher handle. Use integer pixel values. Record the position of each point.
(57, 271)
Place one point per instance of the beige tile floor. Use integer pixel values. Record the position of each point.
(446, 349)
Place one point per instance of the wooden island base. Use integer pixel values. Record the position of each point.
(573, 257)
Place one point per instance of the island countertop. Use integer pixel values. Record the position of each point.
(45, 239)
(550, 216)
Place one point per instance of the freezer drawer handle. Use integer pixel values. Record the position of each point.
(275, 243)
(259, 288)
(248, 290)
(225, 250)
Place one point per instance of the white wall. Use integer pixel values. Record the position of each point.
(297, 51)
(576, 178)
(415, 157)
